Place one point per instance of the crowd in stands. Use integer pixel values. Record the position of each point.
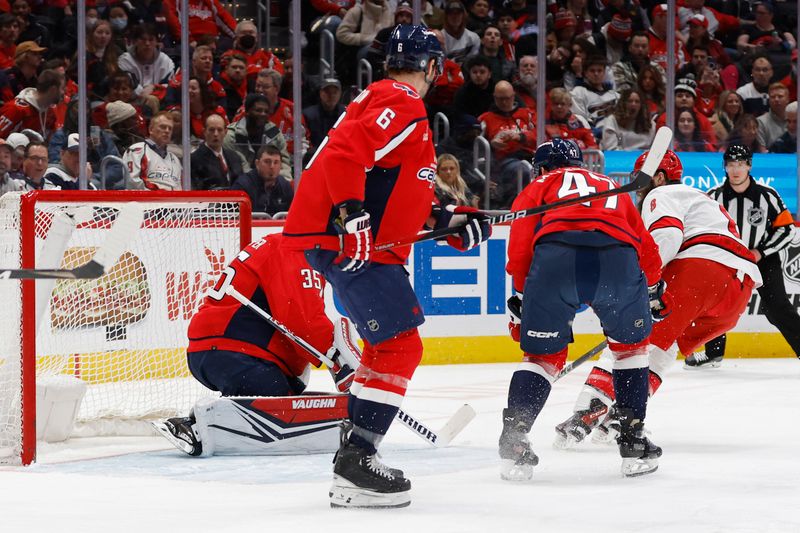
(605, 87)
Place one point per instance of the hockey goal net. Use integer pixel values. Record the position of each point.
(123, 335)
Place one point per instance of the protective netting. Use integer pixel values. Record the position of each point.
(123, 334)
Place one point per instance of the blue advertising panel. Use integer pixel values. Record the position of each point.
(704, 170)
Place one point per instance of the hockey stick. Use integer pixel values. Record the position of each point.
(580, 360)
(439, 439)
(659, 147)
(128, 221)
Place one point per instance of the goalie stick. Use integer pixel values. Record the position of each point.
(122, 231)
(660, 145)
(438, 439)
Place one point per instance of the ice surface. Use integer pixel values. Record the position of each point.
(731, 438)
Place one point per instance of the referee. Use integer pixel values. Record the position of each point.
(766, 227)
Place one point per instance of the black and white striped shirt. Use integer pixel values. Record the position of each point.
(760, 214)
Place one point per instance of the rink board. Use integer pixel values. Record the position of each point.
(464, 297)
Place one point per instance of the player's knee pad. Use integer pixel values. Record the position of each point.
(388, 367)
(660, 363)
(627, 356)
(547, 365)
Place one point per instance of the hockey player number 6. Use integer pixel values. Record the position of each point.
(575, 183)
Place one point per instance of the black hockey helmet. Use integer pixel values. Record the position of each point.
(738, 152)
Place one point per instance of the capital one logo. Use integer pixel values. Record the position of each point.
(185, 290)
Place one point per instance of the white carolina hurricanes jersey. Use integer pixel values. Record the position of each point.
(686, 223)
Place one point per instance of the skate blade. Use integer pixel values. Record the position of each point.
(565, 442)
(344, 494)
(511, 471)
(713, 364)
(632, 467)
(180, 444)
(604, 438)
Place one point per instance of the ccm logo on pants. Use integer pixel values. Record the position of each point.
(542, 334)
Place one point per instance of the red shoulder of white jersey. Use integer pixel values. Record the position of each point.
(685, 222)
(613, 215)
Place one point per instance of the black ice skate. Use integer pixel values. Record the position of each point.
(573, 430)
(639, 455)
(181, 433)
(700, 359)
(360, 479)
(516, 457)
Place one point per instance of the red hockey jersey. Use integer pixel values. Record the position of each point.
(279, 281)
(380, 151)
(615, 216)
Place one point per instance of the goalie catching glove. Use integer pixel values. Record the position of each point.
(515, 316)
(660, 301)
(475, 230)
(355, 236)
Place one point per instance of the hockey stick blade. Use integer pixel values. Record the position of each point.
(642, 179)
(443, 437)
(122, 231)
(421, 430)
(582, 359)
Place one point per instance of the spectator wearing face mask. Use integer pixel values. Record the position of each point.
(257, 58)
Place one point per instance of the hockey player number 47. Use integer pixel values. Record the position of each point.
(575, 183)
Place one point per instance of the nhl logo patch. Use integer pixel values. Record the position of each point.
(755, 216)
(791, 262)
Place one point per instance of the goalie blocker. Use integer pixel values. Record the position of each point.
(281, 425)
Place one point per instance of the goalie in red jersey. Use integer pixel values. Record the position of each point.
(233, 351)
(596, 253)
(371, 180)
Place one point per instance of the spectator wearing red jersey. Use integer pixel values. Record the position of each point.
(34, 108)
(442, 93)
(257, 58)
(234, 80)
(564, 124)
(202, 105)
(121, 88)
(511, 131)
(206, 17)
(658, 40)
(202, 67)
(9, 33)
(708, 91)
(717, 23)
(698, 35)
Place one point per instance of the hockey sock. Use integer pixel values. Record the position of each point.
(631, 387)
(527, 395)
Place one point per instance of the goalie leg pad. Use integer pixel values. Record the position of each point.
(290, 425)
(238, 374)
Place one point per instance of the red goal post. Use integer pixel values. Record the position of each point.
(122, 335)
